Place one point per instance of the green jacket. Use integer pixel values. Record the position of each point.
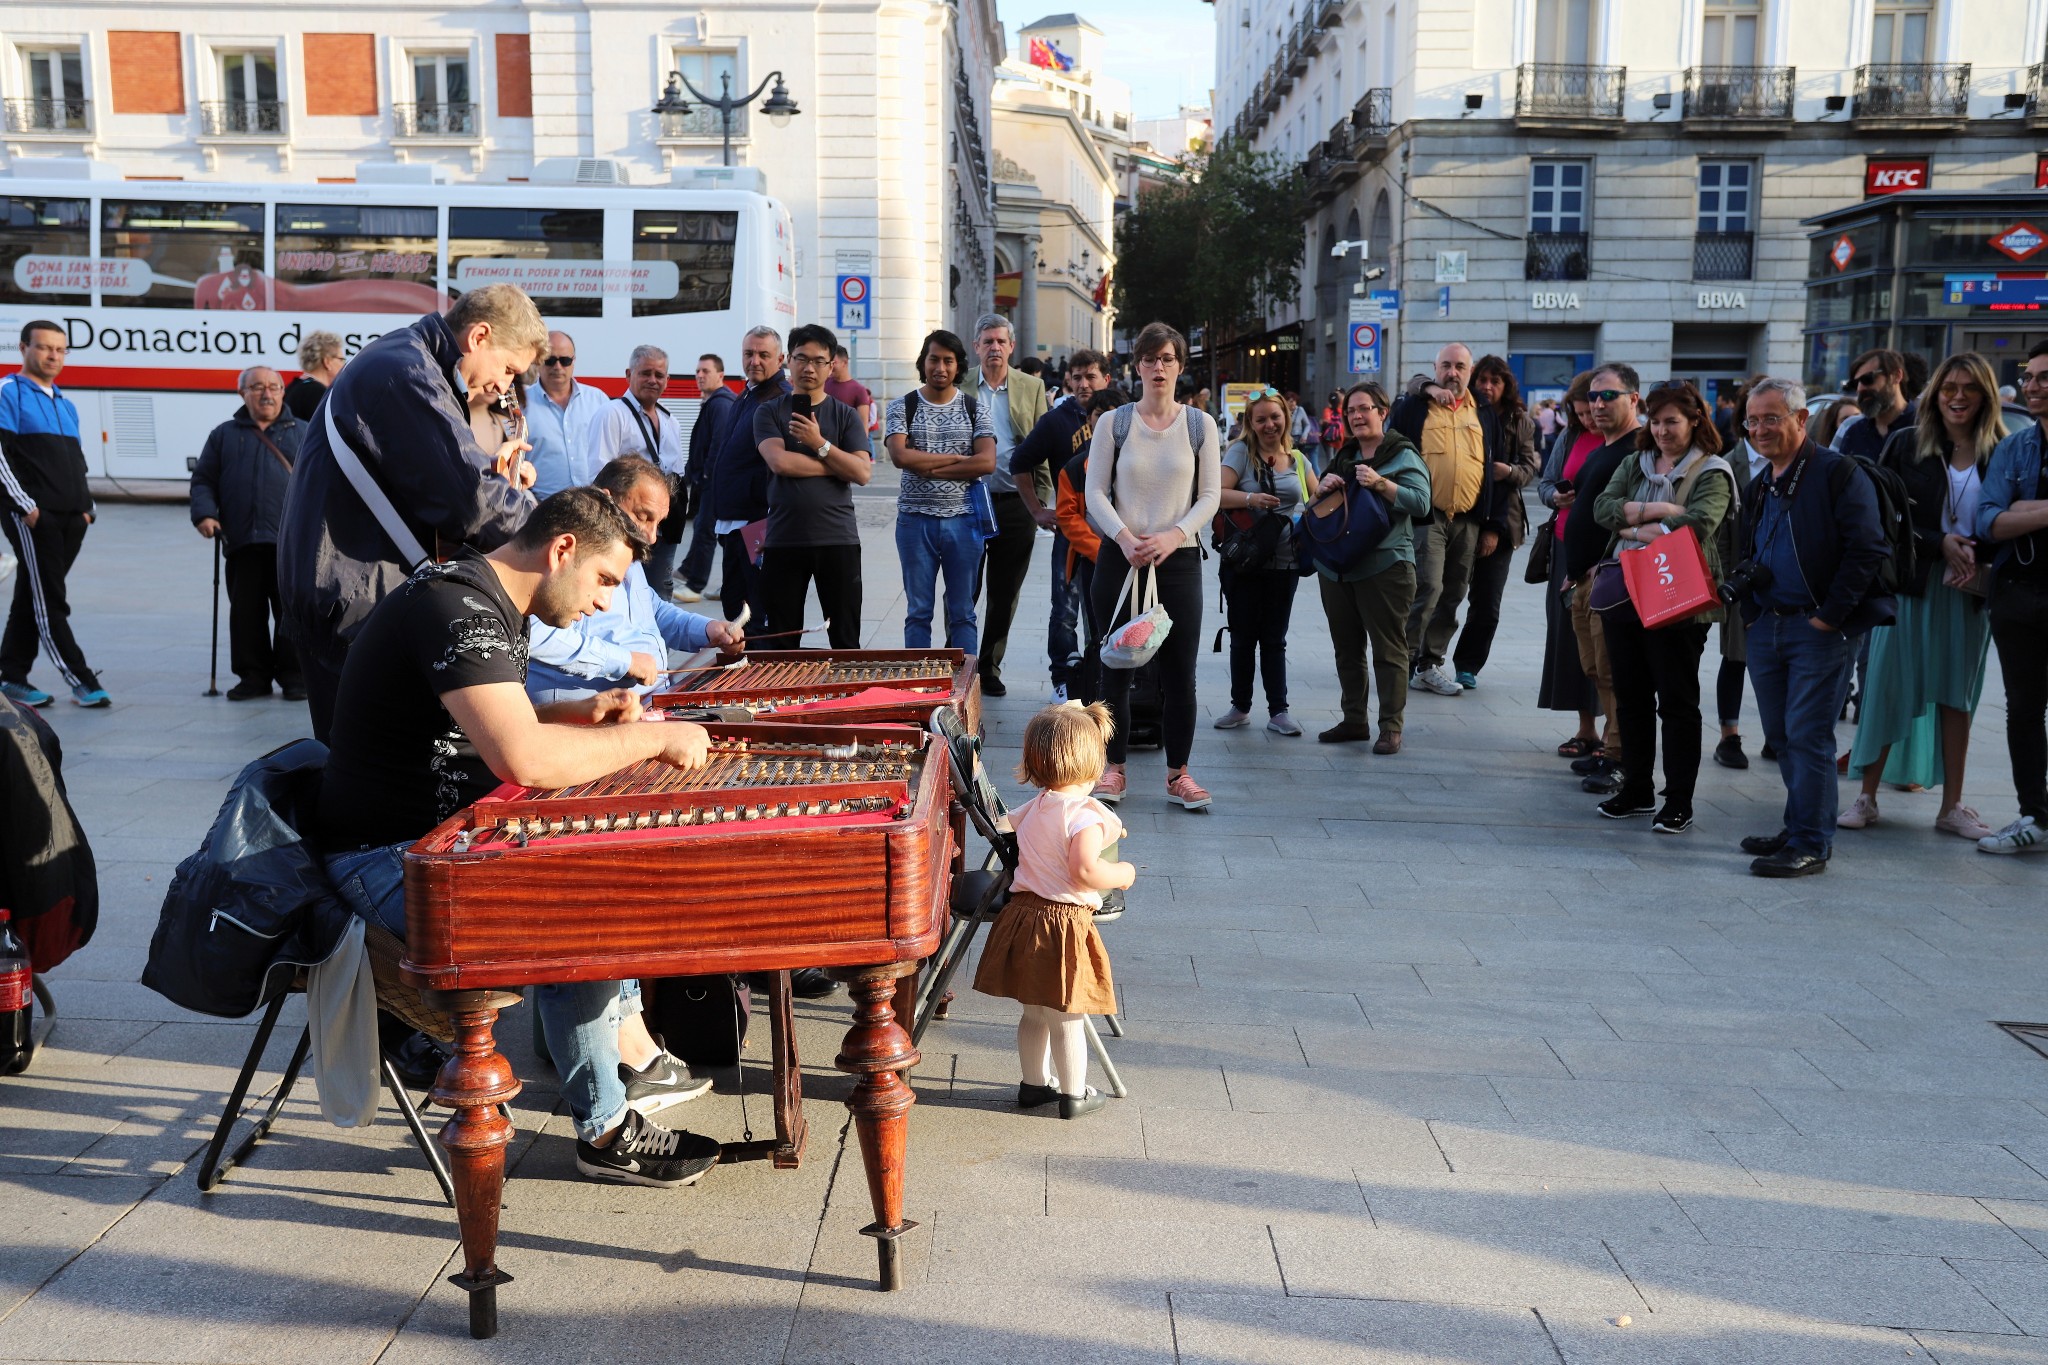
(1709, 502)
(1398, 460)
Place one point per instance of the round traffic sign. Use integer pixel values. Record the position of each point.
(853, 288)
(1365, 335)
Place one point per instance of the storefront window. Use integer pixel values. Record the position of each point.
(1844, 251)
(352, 258)
(700, 244)
(536, 249)
(1839, 303)
(1969, 242)
(43, 246)
(1828, 355)
(199, 255)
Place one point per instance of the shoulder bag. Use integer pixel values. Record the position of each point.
(1339, 529)
(1132, 644)
(1246, 540)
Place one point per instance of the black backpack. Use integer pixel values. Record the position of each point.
(1900, 573)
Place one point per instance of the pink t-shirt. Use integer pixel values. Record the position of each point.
(1044, 825)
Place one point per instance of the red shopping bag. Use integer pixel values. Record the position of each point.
(1668, 579)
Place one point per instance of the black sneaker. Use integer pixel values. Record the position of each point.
(645, 1153)
(1592, 765)
(1728, 753)
(1602, 784)
(1621, 807)
(666, 1081)
(1767, 753)
(1672, 820)
(248, 691)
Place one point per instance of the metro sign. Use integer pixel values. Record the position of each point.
(2020, 241)
(1842, 252)
(1893, 177)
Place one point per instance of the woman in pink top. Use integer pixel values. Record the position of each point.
(1044, 951)
(1564, 685)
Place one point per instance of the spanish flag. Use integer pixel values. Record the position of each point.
(1008, 288)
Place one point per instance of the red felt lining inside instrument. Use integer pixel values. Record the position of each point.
(630, 836)
(873, 696)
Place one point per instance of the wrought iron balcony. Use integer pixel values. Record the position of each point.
(49, 116)
(1723, 255)
(1557, 256)
(1556, 90)
(1373, 115)
(1330, 13)
(434, 120)
(1747, 93)
(1298, 49)
(703, 122)
(242, 118)
(1924, 90)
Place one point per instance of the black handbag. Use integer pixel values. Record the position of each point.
(1541, 546)
(1247, 541)
(701, 1019)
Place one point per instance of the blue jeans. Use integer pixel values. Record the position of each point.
(1062, 636)
(1798, 674)
(696, 571)
(580, 1018)
(928, 546)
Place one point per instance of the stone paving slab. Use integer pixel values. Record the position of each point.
(1427, 1063)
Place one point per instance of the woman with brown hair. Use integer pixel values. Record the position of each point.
(1262, 474)
(1148, 499)
(1926, 670)
(1493, 384)
(1677, 480)
(1564, 685)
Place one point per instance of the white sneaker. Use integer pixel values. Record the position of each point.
(1964, 823)
(1438, 679)
(2021, 836)
(1861, 815)
(1059, 694)
(1233, 719)
(1283, 724)
(683, 592)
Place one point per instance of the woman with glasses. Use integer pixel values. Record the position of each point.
(1493, 384)
(1263, 476)
(1149, 499)
(1564, 685)
(1677, 480)
(1926, 669)
(1368, 604)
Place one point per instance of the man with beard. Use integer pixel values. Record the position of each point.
(1879, 377)
(432, 713)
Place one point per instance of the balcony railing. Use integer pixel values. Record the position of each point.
(1723, 255)
(1557, 256)
(1342, 143)
(1739, 92)
(434, 120)
(1917, 91)
(241, 118)
(704, 122)
(48, 116)
(1330, 13)
(1299, 48)
(1559, 90)
(1373, 115)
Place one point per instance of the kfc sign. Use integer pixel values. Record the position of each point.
(1891, 177)
(2041, 172)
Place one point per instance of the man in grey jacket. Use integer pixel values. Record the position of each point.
(238, 492)
(400, 406)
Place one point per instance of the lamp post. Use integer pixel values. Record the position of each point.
(779, 107)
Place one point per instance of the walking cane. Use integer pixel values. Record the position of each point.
(213, 656)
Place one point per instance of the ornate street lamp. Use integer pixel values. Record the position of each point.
(779, 107)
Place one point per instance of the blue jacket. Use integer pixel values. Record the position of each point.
(2014, 475)
(564, 662)
(240, 483)
(1835, 534)
(42, 463)
(399, 406)
(739, 476)
(707, 434)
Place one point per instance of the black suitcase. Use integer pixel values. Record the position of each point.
(1148, 709)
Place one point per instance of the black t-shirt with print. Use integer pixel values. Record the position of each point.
(398, 764)
(816, 511)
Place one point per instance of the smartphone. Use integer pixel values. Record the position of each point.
(1566, 486)
(800, 405)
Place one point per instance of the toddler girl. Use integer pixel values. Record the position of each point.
(1043, 950)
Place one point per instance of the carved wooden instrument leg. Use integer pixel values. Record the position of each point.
(474, 1082)
(878, 1051)
(787, 1080)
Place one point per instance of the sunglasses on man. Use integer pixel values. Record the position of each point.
(559, 361)
(1609, 395)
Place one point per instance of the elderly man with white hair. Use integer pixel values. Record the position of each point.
(238, 490)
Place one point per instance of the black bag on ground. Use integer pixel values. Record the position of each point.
(1148, 708)
(253, 905)
(701, 1019)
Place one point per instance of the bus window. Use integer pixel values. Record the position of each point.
(44, 246)
(535, 249)
(193, 255)
(700, 242)
(352, 258)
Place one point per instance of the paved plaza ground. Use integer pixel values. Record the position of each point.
(1428, 1063)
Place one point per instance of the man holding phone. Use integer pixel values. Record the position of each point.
(816, 450)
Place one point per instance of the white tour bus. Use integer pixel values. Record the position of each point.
(168, 289)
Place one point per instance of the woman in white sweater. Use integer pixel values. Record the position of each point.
(1148, 501)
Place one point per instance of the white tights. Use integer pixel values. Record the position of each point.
(1053, 1044)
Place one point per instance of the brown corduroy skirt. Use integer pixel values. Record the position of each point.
(1042, 952)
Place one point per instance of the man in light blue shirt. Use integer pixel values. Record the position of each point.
(558, 421)
(627, 644)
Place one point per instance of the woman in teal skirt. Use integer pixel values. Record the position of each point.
(1926, 670)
